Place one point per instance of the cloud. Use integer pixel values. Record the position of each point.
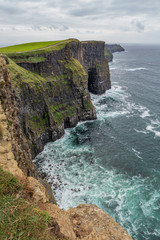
(138, 24)
(106, 18)
(10, 10)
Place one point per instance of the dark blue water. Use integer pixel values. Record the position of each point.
(114, 162)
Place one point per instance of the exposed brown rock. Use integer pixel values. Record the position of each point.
(62, 219)
(92, 223)
(86, 222)
(39, 192)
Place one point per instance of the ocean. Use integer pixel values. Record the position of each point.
(114, 161)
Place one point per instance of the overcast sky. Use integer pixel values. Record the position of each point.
(114, 21)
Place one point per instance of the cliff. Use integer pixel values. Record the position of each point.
(28, 213)
(41, 96)
(55, 96)
(112, 48)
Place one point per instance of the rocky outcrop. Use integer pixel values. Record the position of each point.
(86, 222)
(111, 48)
(114, 48)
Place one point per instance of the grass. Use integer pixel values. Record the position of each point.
(29, 60)
(19, 219)
(61, 111)
(108, 53)
(27, 52)
(27, 47)
(73, 69)
(74, 66)
(39, 122)
(8, 184)
(20, 75)
(58, 117)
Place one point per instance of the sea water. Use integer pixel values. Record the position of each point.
(114, 161)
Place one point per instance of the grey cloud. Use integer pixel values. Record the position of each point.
(116, 8)
(10, 10)
(138, 24)
(70, 8)
(135, 7)
(84, 12)
(48, 28)
(79, 16)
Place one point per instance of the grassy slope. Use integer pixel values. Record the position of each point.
(20, 75)
(19, 219)
(27, 47)
(37, 50)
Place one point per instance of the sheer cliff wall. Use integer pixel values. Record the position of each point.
(36, 107)
(52, 94)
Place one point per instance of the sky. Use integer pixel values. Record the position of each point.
(113, 21)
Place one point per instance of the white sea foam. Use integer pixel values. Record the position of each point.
(157, 133)
(152, 128)
(135, 69)
(112, 68)
(145, 114)
(155, 122)
(141, 131)
(137, 153)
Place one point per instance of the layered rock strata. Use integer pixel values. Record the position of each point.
(90, 55)
(55, 96)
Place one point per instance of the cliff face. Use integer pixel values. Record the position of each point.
(111, 48)
(35, 109)
(19, 143)
(55, 95)
(114, 48)
(90, 55)
(83, 222)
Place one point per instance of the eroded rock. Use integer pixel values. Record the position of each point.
(92, 223)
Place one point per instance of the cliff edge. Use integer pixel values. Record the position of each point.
(51, 86)
(42, 93)
(110, 49)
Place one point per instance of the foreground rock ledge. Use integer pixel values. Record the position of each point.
(86, 222)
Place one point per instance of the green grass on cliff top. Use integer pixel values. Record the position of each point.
(31, 49)
(27, 47)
